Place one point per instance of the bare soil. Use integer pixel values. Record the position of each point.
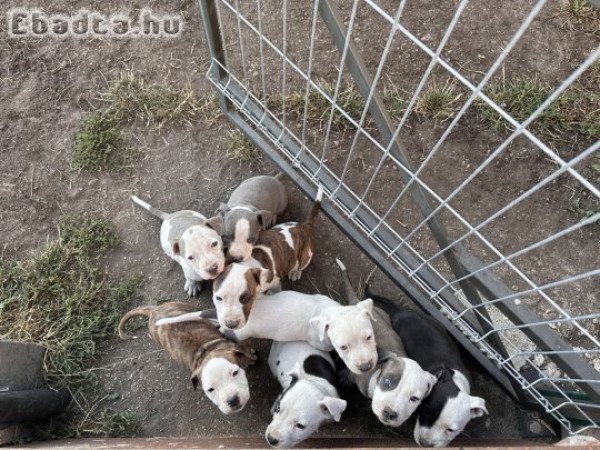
(47, 86)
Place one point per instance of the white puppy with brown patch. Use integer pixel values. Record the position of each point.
(282, 251)
(317, 319)
(310, 396)
(186, 237)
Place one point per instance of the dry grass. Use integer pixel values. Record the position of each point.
(99, 142)
(581, 15)
(241, 149)
(60, 297)
(439, 102)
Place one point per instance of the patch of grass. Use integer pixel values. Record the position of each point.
(439, 101)
(241, 149)
(60, 297)
(520, 97)
(394, 100)
(319, 107)
(582, 15)
(131, 97)
(98, 142)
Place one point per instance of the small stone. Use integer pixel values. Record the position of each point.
(535, 427)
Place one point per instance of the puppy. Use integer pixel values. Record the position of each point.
(446, 411)
(317, 319)
(284, 250)
(397, 385)
(217, 363)
(252, 207)
(309, 396)
(188, 238)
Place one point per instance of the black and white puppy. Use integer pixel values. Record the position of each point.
(446, 411)
(309, 397)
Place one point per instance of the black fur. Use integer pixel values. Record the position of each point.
(276, 406)
(428, 343)
(318, 366)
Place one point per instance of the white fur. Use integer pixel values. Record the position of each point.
(218, 374)
(406, 397)
(317, 319)
(455, 415)
(310, 402)
(284, 229)
(240, 247)
(198, 243)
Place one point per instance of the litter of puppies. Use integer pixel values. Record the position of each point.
(403, 362)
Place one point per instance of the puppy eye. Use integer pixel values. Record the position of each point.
(214, 244)
(235, 373)
(210, 390)
(386, 382)
(343, 347)
(249, 240)
(190, 257)
(450, 430)
(244, 299)
(414, 399)
(300, 426)
(217, 298)
(368, 338)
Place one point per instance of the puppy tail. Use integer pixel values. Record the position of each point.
(188, 317)
(314, 212)
(151, 209)
(349, 293)
(141, 311)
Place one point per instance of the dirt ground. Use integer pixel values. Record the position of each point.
(47, 86)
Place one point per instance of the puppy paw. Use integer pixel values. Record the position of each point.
(295, 275)
(193, 288)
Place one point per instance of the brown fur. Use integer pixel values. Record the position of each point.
(184, 341)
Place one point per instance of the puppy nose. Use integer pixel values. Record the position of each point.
(271, 440)
(424, 443)
(388, 414)
(233, 324)
(214, 269)
(365, 367)
(233, 402)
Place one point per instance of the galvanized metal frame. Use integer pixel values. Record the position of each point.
(472, 327)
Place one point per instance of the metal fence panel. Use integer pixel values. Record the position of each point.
(288, 74)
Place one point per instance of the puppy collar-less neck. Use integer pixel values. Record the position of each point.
(243, 208)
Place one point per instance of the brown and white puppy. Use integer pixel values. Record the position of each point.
(216, 362)
(282, 251)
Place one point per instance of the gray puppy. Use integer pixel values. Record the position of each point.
(253, 206)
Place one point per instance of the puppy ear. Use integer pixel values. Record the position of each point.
(431, 380)
(195, 381)
(223, 208)
(333, 407)
(266, 277)
(367, 306)
(478, 408)
(216, 223)
(175, 247)
(321, 324)
(245, 356)
(266, 219)
(386, 355)
(296, 373)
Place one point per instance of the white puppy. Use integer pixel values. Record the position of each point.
(316, 319)
(188, 238)
(309, 398)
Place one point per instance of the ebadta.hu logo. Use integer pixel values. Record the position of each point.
(88, 24)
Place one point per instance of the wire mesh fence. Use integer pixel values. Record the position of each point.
(473, 183)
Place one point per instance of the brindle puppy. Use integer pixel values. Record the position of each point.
(215, 362)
